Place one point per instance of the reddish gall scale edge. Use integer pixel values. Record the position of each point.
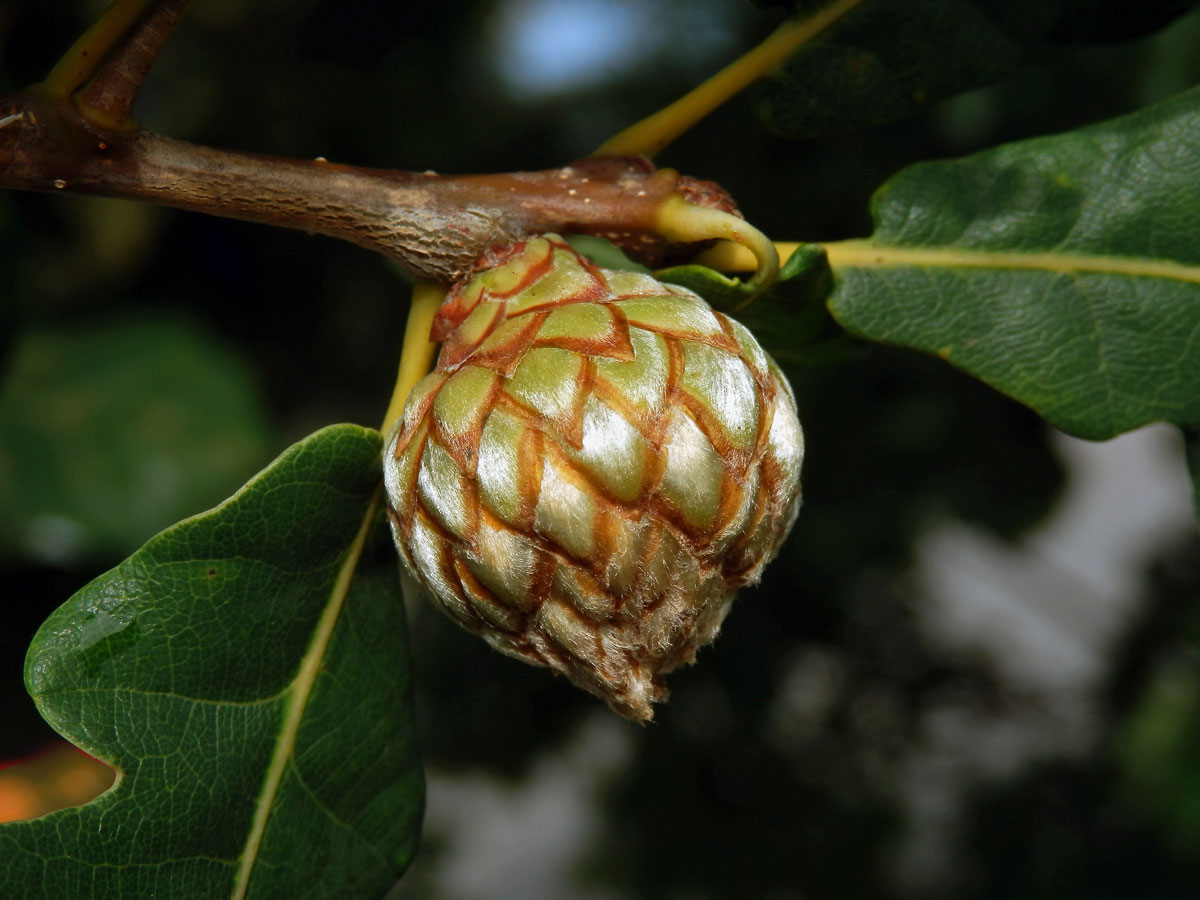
(596, 465)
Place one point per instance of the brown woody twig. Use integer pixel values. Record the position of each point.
(76, 133)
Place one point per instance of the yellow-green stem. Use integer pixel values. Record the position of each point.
(727, 256)
(80, 62)
(686, 222)
(647, 137)
(416, 357)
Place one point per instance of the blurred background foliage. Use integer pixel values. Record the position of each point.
(855, 732)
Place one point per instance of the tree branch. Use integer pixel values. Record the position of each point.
(109, 95)
(435, 226)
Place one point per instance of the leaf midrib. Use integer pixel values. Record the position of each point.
(861, 254)
(301, 688)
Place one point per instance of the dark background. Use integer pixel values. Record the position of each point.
(805, 755)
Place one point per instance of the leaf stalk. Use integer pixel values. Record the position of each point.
(656, 131)
(104, 70)
(418, 351)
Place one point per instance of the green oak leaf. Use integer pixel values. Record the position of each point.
(886, 59)
(1063, 271)
(246, 673)
(111, 431)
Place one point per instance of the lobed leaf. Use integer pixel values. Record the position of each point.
(886, 59)
(1063, 271)
(246, 673)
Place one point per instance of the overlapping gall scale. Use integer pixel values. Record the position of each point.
(597, 464)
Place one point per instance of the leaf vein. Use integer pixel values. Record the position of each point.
(301, 687)
(869, 254)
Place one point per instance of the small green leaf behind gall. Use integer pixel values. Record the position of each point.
(790, 320)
